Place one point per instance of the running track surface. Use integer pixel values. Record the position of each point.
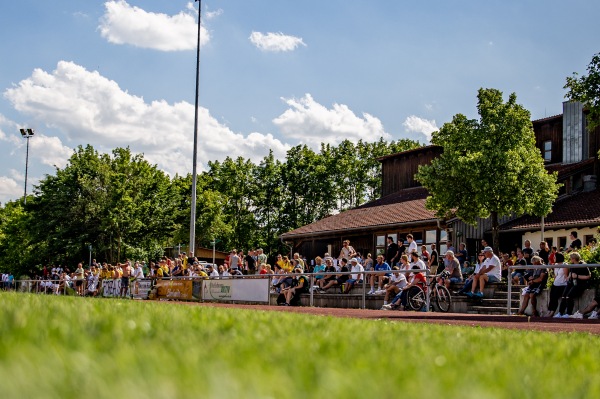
(459, 319)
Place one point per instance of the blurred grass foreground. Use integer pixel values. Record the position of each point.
(68, 347)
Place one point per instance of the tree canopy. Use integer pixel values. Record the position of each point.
(127, 208)
(586, 89)
(489, 167)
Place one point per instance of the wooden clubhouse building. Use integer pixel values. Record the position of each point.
(567, 148)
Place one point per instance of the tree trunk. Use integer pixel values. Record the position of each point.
(495, 235)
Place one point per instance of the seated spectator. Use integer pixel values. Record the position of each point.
(489, 273)
(561, 276)
(590, 309)
(339, 279)
(453, 270)
(467, 269)
(535, 284)
(397, 282)
(356, 278)
(400, 301)
(518, 275)
(506, 263)
(383, 270)
(300, 286)
(212, 273)
(319, 267)
(329, 268)
(576, 285)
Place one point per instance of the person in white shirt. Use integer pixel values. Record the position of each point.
(356, 277)
(396, 283)
(412, 244)
(491, 272)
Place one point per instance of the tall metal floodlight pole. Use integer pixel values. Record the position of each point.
(194, 173)
(27, 134)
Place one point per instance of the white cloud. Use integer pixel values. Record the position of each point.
(312, 123)
(275, 42)
(126, 24)
(89, 108)
(419, 125)
(50, 150)
(212, 14)
(9, 189)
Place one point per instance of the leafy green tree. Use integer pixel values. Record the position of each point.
(15, 240)
(586, 89)
(489, 167)
(119, 204)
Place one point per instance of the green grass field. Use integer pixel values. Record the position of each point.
(66, 347)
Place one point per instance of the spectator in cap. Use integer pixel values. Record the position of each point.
(491, 272)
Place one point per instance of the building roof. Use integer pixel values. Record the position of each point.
(405, 207)
(566, 169)
(414, 150)
(547, 119)
(577, 210)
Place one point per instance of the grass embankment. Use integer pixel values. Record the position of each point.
(65, 347)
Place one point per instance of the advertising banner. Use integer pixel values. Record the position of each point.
(174, 289)
(112, 288)
(247, 290)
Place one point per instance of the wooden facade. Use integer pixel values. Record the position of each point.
(398, 170)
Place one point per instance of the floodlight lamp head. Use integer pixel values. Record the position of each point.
(26, 132)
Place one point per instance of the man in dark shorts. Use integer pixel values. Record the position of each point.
(127, 272)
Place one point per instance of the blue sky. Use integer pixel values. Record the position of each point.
(273, 73)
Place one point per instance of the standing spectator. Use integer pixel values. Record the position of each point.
(433, 260)
(79, 279)
(425, 255)
(527, 252)
(127, 272)
(261, 258)
(489, 273)
(412, 244)
(391, 254)
(535, 284)
(577, 283)
(544, 252)
(552, 256)
(561, 276)
(575, 242)
(347, 251)
(234, 260)
(250, 263)
(462, 255)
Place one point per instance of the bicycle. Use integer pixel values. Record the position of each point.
(439, 294)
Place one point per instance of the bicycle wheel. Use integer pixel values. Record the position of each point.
(416, 298)
(443, 299)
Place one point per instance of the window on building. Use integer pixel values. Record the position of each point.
(380, 247)
(547, 150)
(588, 239)
(430, 236)
(550, 242)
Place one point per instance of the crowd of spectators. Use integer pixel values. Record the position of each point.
(394, 271)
